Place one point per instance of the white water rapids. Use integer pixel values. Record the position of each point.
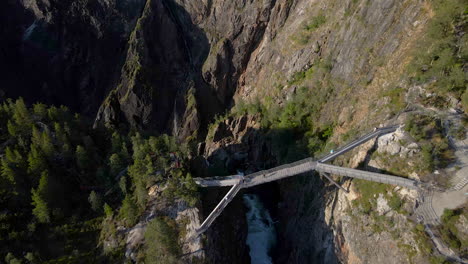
(261, 237)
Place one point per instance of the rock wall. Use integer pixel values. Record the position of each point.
(220, 52)
(64, 52)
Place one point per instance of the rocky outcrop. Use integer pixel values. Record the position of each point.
(239, 144)
(219, 49)
(184, 216)
(155, 77)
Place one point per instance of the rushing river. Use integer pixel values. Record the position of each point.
(261, 237)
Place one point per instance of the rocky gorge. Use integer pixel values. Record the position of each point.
(252, 84)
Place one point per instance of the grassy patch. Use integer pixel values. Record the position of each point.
(307, 28)
(428, 132)
(450, 233)
(422, 240)
(443, 51)
(397, 99)
(369, 192)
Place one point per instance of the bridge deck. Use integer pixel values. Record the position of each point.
(366, 175)
(290, 169)
(220, 207)
(238, 182)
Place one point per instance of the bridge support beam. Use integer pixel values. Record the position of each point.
(220, 207)
(324, 174)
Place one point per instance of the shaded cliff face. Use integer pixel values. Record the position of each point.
(177, 47)
(64, 52)
(173, 65)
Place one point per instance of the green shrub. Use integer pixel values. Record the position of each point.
(161, 242)
(397, 98)
(464, 100)
(395, 202)
(315, 22)
(129, 211)
(442, 52)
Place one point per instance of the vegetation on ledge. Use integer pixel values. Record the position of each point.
(60, 177)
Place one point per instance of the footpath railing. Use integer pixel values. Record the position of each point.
(366, 175)
(295, 168)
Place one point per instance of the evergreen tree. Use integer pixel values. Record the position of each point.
(36, 161)
(116, 164)
(21, 115)
(40, 110)
(53, 113)
(36, 137)
(123, 184)
(11, 259)
(8, 171)
(60, 134)
(95, 200)
(12, 129)
(46, 144)
(39, 201)
(128, 211)
(8, 175)
(116, 142)
(82, 159)
(164, 247)
(108, 210)
(124, 154)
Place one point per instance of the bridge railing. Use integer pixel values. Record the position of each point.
(356, 140)
(270, 172)
(220, 207)
(366, 175)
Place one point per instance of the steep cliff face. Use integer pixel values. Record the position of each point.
(204, 46)
(155, 77)
(64, 52)
(351, 55)
(217, 50)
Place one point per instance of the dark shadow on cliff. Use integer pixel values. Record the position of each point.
(59, 55)
(197, 48)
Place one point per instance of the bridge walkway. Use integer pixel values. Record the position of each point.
(290, 169)
(220, 207)
(366, 175)
(309, 164)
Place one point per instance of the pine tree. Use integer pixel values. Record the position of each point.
(128, 211)
(124, 154)
(46, 144)
(36, 137)
(53, 113)
(82, 159)
(60, 134)
(7, 171)
(21, 114)
(12, 129)
(116, 141)
(164, 247)
(40, 110)
(116, 164)
(95, 200)
(36, 161)
(39, 201)
(15, 159)
(108, 210)
(11, 259)
(123, 184)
